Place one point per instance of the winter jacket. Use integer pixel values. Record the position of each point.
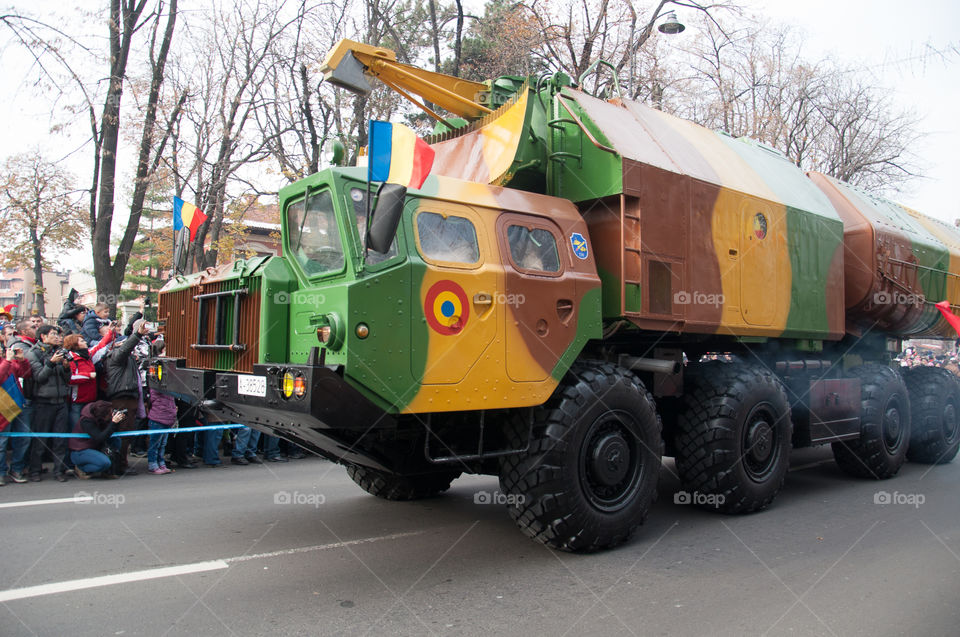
(163, 408)
(122, 370)
(18, 368)
(96, 422)
(51, 380)
(83, 373)
(91, 328)
(68, 326)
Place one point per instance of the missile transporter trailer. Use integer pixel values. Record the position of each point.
(548, 306)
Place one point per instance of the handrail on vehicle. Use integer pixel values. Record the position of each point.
(616, 82)
(576, 120)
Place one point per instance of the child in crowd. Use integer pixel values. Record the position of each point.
(162, 414)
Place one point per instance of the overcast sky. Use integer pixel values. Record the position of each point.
(890, 37)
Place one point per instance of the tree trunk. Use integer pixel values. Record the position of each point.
(123, 25)
(38, 290)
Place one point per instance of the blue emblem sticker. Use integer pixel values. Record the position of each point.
(579, 245)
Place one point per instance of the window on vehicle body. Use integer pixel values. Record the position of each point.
(313, 236)
(447, 238)
(533, 249)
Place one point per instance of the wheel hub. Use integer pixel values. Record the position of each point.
(610, 459)
(950, 424)
(760, 441)
(892, 426)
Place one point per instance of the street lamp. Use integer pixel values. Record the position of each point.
(670, 24)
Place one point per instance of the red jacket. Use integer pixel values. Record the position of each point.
(83, 375)
(19, 368)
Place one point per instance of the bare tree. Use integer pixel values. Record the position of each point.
(127, 20)
(41, 213)
(225, 72)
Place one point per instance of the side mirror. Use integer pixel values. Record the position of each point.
(386, 217)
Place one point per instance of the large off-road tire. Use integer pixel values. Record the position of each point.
(884, 425)
(733, 437)
(390, 486)
(590, 474)
(934, 415)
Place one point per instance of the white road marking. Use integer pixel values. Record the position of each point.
(33, 503)
(320, 547)
(109, 580)
(171, 571)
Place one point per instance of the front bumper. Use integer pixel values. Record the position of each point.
(328, 419)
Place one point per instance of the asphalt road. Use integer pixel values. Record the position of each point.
(298, 549)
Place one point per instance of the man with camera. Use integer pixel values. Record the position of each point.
(51, 395)
(123, 385)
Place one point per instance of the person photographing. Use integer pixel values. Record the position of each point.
(99, 421)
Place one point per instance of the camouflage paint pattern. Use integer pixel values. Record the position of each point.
(899, 263)
(656, 220)
(700, 232)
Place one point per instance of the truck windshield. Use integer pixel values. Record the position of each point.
(314, 237)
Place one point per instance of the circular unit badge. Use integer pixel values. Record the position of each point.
(759, 225)
(446, 308)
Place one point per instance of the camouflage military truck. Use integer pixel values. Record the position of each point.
(548, 306)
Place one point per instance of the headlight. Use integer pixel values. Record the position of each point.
(324, 333)
(330, 330)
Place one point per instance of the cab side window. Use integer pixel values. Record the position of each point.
(452, 239)
(533, 249)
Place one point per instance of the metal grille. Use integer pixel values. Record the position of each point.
(206, 331)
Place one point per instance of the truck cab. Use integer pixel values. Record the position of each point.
(482, 300)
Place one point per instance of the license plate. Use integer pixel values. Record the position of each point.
(252, 385)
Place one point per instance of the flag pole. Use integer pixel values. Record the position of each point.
(366, 232)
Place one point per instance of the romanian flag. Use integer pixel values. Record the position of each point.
(397, 155)
(11, 400)
(951, 318)
(187, 215)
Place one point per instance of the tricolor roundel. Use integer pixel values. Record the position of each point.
(760, 226)
(446, 307)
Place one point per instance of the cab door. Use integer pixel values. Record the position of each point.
(460, 318)
(538, 295)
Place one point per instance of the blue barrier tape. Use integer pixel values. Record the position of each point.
(120, 434)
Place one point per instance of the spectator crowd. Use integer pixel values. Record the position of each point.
(86, 375)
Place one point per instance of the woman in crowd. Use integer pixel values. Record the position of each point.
(83, 374)
(99, 421)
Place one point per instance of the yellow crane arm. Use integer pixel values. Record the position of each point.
(350, 64)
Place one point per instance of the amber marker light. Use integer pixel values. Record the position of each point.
(286, 385)
(362, 330)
